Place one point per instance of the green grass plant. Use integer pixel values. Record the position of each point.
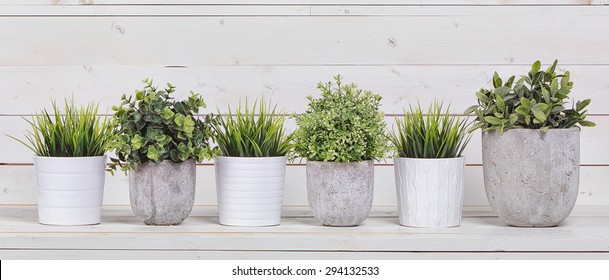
(73, 132)
(256, 131)
(436, 134)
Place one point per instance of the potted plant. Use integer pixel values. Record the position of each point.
(429, 167)
(250, 172)
(158, 140)
(340, 135)
(70, 163)
(530, 146)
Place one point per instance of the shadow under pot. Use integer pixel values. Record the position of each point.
(340, 194)
(70, 189)
(429, 191)
(163, 193)
(531, 178)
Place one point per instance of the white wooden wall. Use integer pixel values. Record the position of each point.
(96, 50)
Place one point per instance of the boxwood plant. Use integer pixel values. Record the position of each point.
(344, 125)
(435, 134)
(73, 132)
(535, 101)
(152, 127)
(253, 132)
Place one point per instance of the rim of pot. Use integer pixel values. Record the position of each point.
(336, 162)
(252, 158)
(70, 158)
(431, 159)
(538, 129)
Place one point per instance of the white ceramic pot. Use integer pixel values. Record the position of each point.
(250, 190)
(430, 191)
(70, 190)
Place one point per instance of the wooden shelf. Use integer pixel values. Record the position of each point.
(122, 236)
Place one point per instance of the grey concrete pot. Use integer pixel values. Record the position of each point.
(340, 194)
(531, 178)
(163, 193)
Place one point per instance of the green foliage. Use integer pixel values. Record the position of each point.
(255, 132)
(75, 132)
(154, 127)
(535, 101)
(344, 125)
(434, 135)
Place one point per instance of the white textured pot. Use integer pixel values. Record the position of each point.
(531, 178)
(430, 191)
(340, 194)
(70, 190)
(163, 193)
(250, 190)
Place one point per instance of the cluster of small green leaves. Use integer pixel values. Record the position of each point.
(436, 134)
(154, 127)
(75, 132)
(535, 101)
(344, 125)
(249, 135)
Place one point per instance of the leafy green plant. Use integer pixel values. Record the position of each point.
(535, 101)
(436, 134)
(255, 132)
(344, 125)
(75, 132)
(153, 127)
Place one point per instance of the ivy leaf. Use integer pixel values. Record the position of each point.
(137, 142)
(152, 153)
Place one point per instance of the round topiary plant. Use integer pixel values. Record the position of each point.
(344, 125)
(153, 128)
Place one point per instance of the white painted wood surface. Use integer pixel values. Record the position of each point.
(201, 236)
(404, 50)
(308, 2)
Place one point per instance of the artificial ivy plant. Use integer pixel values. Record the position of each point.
(535, 101)
(152, 127)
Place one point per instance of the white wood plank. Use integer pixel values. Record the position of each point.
(476, 234)
(482, 11)
(182, 10)
(28, 89)
(18, 186)
(275, 255)
(593, 148)
(304, 2)
(417, 40)
(294, 10)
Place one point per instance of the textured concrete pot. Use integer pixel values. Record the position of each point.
(250, 190)
(340, 194)
(163, 193)
(429, 191)
(531, 178)
(70, 190)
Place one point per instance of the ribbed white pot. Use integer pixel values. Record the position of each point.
(250, 190)
(430, 191)
(70, 190)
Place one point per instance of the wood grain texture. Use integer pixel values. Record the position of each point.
(120, 230)
(304, 2)
(18, 186)
(27, 89)
(355, 40)
(279, 255)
